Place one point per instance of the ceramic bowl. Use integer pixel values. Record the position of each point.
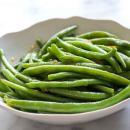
(16, 44)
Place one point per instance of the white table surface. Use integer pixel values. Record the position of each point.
(18, 14)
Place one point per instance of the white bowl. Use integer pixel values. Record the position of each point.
(18, 43)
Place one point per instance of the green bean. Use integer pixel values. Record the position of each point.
(97, 66)
(11, 94)
(37, 60)
(64, 84)
(2, 95)
(88, 46)
(69, 107)
(104, 89)
(27, 65)
(84, 53)
(66, 58)
(126, 52)
(74, 39)
(16, 65)
(24, 78)
(13, 79)
(63, 75)
(111, 42)
(68, 74)
(70, 59)
(106, 48)
(60, 34)
(19, 67)
(111, 77)
(117, 55)
(120, 59)
(89, 96)
(96, 34)
(40, 43)
(4, 88)
(34, 93)
(11, 68)
(6, 63)
(20, 95)
(126, 59)
(10, 76)
(93, 65)
(46, 56)
(32, 56)
(25, 59)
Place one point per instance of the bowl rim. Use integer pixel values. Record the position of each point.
(67, 18)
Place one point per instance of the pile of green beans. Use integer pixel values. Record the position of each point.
(69, 73)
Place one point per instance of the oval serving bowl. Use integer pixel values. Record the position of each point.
(18, 43)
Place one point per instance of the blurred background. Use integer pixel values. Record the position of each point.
(18, 14)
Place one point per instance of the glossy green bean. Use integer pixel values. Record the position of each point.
(25, 59)
(74, 39)
(64, 84)
(64, 75)
(93, 65)
(117, 55)
(120, 59)
(17, 95)
(12, 69)
(8, 75)
(96, 34)
(6, 63)
(84, 53)
(2, 94)
(40, 42)
(27, 65)
(111, 77)
(33, 56)
(16, 65)
(104, 89)
(126, 59)
(46, 56)
(88, 46)
(60, 34)
(66, 58)
(111, 42)
(34, 93)
(24, 78)
(59, 76)
(89, 96)
(4, 88)
(69, 107)
(97, 66)
(37, 60)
